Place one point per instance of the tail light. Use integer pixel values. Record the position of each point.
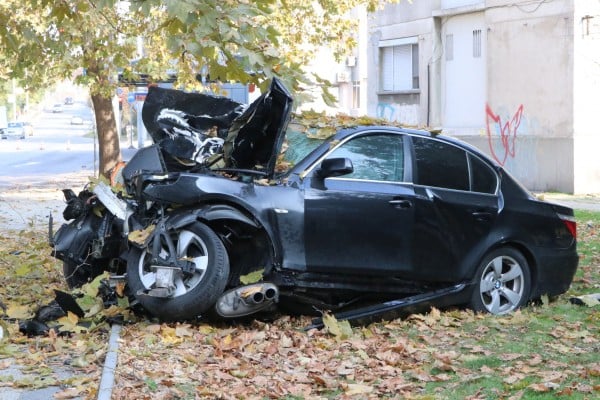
(570, 223)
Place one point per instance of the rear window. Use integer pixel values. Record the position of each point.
(15, 124)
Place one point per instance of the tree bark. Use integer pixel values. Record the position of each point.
(108, 137)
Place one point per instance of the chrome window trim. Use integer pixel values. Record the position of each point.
(310, 169)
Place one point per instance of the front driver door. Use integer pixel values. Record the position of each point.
(361, 222)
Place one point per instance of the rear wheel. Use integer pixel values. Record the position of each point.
(503, 282)
(194, 293)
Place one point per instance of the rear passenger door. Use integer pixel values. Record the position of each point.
(456, 205)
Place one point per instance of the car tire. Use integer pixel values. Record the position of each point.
(502, 282)
(77, 274)
(194, 294)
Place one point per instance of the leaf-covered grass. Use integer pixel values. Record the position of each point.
(544, 351)
(28, 277)
(587, 279)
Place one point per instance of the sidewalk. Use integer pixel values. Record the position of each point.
(589, 202)
(26, 203)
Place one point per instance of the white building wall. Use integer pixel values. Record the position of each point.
(458, 3)
(533, 113)
(463, 73)
(348, 77)
(530, 92)
(586, 95)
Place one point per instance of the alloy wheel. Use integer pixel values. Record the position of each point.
(502, 285)
(190, 246)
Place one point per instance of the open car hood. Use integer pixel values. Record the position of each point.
(196, 129)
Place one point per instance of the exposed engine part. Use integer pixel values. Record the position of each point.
(165, 281)
(246, 300)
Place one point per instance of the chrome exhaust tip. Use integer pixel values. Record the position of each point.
(247, 300)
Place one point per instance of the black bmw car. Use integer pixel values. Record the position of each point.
(373, 220)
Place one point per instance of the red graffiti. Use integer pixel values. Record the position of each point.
(508, 133)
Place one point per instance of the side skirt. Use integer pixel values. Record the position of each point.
(397, 308)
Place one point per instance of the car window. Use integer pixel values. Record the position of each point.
(377, 157)
(483, 178)
(440, 164)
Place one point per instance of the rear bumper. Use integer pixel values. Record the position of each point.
(554, 273)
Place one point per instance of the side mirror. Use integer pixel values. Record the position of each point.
(335, 167)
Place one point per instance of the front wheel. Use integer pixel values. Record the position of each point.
(502, 282)
(194, 293)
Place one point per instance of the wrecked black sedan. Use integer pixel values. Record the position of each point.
(371, 223)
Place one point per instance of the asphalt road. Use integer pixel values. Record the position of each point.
(56, 148)
(33, 171)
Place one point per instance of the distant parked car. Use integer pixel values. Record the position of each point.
(76, 121)
(57, 108)
(14, 129)
(68, 101)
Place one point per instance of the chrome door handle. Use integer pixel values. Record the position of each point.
(400, 203)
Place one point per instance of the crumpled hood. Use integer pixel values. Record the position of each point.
(206, 130)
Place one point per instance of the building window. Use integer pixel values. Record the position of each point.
(477, 43)
(399, 67)
(449, 47)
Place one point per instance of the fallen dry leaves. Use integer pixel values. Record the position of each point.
(265, 360)
(398, 359)
(546, 350)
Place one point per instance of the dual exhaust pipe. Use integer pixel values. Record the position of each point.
(246, 300)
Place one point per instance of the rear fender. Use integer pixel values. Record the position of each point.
(476, 256)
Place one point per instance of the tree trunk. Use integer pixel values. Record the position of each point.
(108, 137)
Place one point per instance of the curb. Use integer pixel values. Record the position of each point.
(110, 364)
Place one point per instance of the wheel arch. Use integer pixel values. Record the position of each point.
(525, 252)
(249, 243)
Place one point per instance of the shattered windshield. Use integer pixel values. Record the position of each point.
(299, 146)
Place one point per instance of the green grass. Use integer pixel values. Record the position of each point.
(587, 278)
(543, 352)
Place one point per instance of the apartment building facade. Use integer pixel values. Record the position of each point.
(519, 80)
